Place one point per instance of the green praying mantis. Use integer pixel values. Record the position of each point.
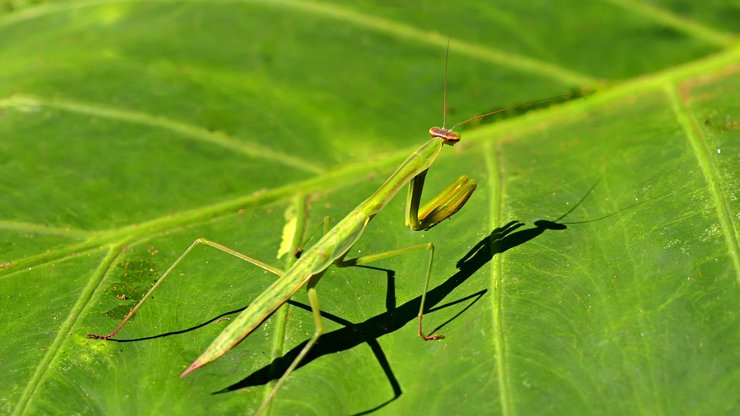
(332, 248)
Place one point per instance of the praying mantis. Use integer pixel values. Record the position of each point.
(331, 249)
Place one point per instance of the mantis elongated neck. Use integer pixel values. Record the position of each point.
(416, 163)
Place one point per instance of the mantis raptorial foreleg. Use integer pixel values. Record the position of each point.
(439, 208)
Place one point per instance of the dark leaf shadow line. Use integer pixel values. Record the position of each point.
(181, 331)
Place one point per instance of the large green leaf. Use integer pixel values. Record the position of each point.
(130, 128)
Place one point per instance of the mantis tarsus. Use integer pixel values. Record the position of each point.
(332, 248)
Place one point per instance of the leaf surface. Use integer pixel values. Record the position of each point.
(594, 271)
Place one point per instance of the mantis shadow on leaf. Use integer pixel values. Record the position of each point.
(354, 334)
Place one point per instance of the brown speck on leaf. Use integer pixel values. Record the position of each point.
(153, 250)
(5, 265)
(122, 296)
(684, 90)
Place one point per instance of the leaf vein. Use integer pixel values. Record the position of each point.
(697, 142)
(668, 18)
(251, 149)
(64, 329)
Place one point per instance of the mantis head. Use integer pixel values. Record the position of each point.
(448, 136)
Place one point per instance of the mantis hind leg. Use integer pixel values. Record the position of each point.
(161, 279)
(319, 329)
(429, 247)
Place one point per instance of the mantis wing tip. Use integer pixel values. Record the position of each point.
(194, 366)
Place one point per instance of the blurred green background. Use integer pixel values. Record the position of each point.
(130, 128)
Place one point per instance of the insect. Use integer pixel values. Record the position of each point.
(331, 249)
